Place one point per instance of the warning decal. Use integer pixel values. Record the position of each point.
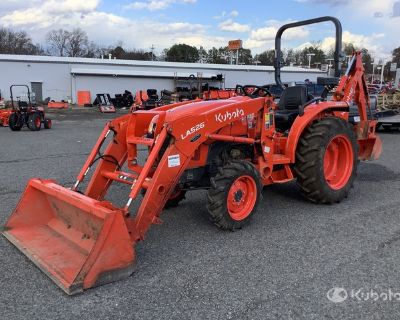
(268, 120)
(174, 161)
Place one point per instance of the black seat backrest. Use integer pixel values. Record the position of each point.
(23, 105)
(152, 94)
(293, 97)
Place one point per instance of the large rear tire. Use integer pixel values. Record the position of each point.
(326, 160)
(234, 194)
(15, 122)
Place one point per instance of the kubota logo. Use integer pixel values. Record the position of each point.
(192, 130)
(222, 117)
(337, 295)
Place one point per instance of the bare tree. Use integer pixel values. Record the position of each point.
(77, 44)
(73, 43)
(57, 40)
(17, 43)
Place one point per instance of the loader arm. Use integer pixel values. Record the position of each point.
(182, 132)
(179, 133)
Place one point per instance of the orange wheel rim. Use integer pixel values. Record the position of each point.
(338, 162)
(38, 122)
(242, 197)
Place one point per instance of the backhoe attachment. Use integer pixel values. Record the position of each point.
(353, 87)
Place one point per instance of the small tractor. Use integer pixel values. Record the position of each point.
(26, 113)
(231, 148)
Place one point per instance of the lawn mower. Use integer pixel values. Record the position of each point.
(26, 113)
(229, 147)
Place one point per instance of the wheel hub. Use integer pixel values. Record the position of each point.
(238, 196)
(242, 197)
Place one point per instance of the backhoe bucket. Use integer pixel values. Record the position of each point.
(77, 241)
(370, 149)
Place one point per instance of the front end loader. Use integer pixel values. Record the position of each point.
(231, 148)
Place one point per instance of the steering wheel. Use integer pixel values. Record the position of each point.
(252, 91)
(239, 90)
(261, 92)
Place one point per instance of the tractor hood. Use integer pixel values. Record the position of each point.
(201, 107)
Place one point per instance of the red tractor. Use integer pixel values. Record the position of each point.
(26, 113)
(231, 148)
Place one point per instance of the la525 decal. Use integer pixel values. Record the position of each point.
(192, 130)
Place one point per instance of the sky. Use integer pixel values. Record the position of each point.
(373, 24)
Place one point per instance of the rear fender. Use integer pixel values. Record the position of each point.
(311, 113)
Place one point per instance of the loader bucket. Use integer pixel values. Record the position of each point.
(77, 241)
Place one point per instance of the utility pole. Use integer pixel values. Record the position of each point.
(152, 52)
(382, 70)
(373, 71)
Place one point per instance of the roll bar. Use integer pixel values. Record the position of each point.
(19, 85)
(338, 44)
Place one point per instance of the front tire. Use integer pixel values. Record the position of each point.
(34, 122)
(234, 194)
(47, 124)
(15, 121)
(326, 160)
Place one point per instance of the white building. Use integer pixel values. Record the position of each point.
(60, 78)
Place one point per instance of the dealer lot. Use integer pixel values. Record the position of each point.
(281, 266)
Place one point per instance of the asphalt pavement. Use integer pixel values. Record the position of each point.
(290, 262)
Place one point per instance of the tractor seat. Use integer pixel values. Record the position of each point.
(152, 94)
(22, 105)
(288, 107)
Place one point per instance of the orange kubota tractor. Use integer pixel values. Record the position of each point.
(230, 147)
